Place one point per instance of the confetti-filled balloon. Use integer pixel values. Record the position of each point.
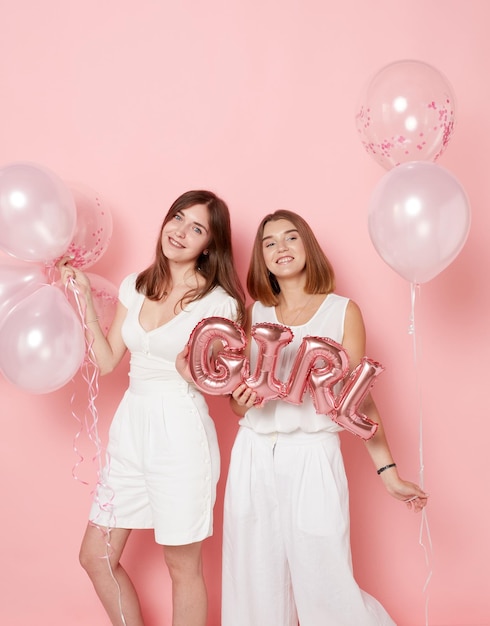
(105, 297)
(406, 113)
(93, 229)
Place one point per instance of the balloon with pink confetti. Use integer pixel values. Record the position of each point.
(406, 113)
(93, 229)
(105, 297)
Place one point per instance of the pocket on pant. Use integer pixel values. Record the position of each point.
(322, 495)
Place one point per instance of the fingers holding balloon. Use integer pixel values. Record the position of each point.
(244, 396)
(182, 364)
(410, 493)
(66, 270)
(78, 290)
(417, 503)
(72, 276)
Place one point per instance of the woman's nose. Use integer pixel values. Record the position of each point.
(180, 230)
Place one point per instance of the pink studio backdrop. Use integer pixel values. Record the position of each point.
(256, 100)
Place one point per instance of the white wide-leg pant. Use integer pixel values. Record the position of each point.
(286, 545)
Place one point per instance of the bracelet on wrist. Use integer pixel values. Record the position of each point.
(385, 467)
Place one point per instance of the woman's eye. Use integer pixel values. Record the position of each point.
(197, 230)
(177, 217)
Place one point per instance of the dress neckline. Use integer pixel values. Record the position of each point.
(152, 330)
(322, 304)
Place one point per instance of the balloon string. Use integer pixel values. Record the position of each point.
(49, 272)
(78, 434)
(114, 579)
(424, 524)
(90, 374)
(81, 422)
(411, 325)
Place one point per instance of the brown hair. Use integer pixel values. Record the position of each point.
(262, 284)
(217, 266)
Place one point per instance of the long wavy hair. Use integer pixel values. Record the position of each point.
(217, 266)
(262, 285)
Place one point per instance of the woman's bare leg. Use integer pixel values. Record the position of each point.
(189, 596)
(99, 556)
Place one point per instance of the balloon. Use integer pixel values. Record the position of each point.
(271, 339)
(320, 364)
(37, 213)
(419, 219)
(17, 280)
(42, 342)
(105, 296)
(93, 229)
(354, 391)
(406, 113)
(222, 373)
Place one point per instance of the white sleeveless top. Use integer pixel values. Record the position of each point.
(280, 415)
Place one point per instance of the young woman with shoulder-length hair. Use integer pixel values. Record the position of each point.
(286, 545)
(320, 276)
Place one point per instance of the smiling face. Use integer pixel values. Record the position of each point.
(283, 249)
(186, 234)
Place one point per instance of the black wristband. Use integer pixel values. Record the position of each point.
(382, 469)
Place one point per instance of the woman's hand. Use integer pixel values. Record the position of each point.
(69, 273)
(182, 364)
(242, 399)
(244, 396)
(410, 493)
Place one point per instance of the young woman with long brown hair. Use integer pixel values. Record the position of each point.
(162, 456)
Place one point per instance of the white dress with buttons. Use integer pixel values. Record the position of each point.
(163, 459)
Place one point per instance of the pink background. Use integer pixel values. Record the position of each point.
(256, 100)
